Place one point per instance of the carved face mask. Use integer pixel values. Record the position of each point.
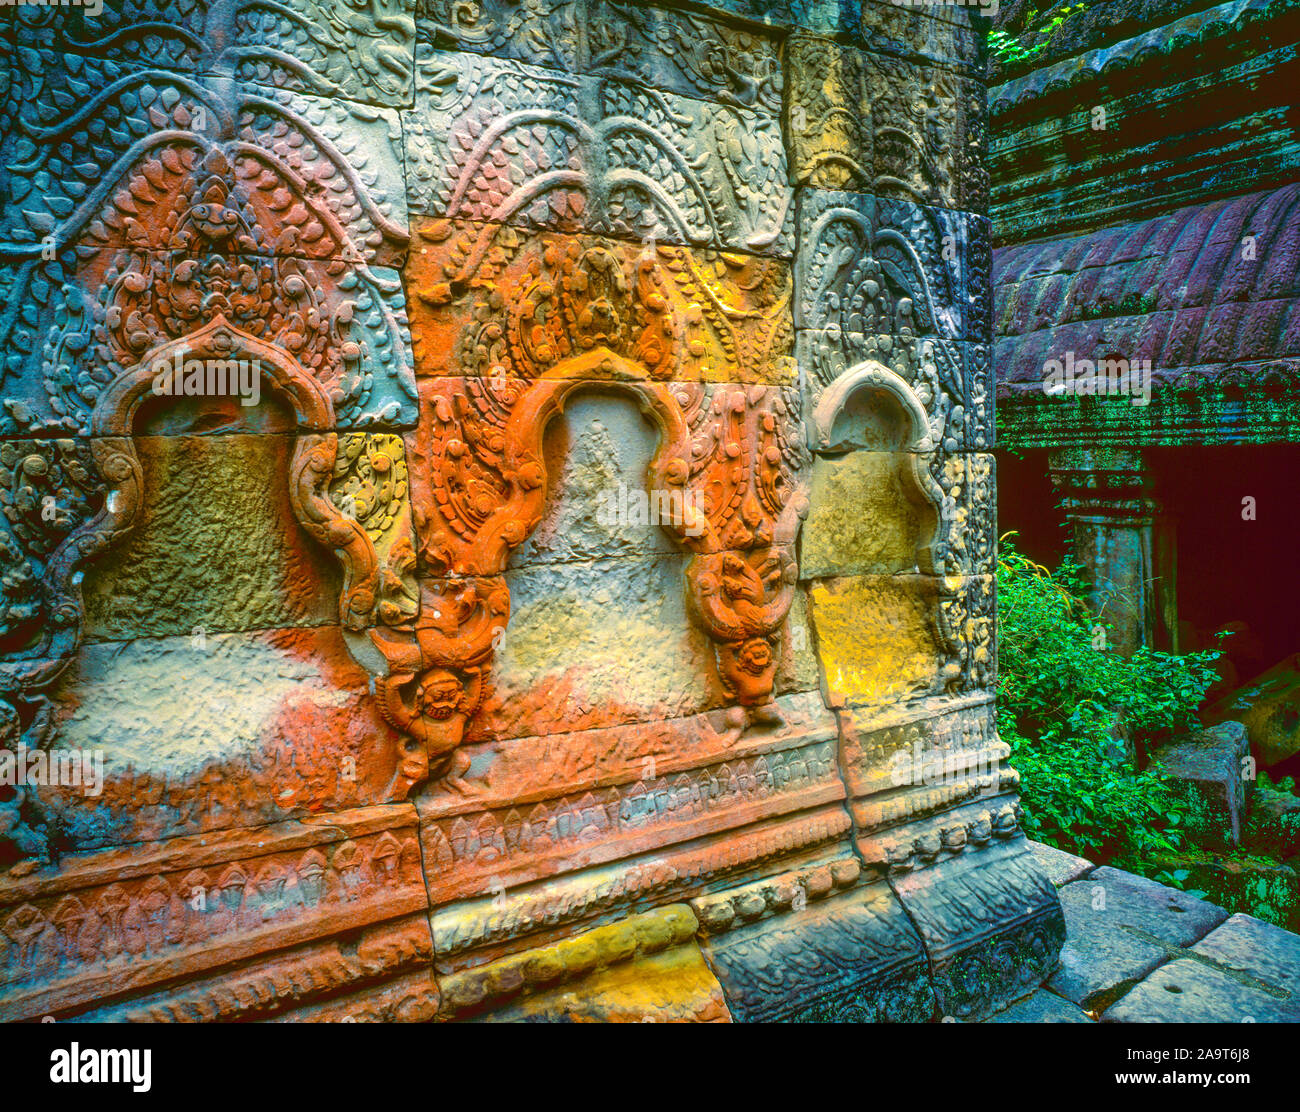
(439, 696)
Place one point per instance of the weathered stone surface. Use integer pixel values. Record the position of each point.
(1058, 866)
(496, 141)
(943, 749)
(364, 53)
(890, 266)
(550, 982)
(630, 800)
(1154, 70)
(211, 731)
(854, 125)
(1212, 764)
(476, 849)
(1120, 927)
(950, 900)
(1042, 1006)
(865, 517)
(318, 177)
(692, 315)
(1245, 971)
(876, 639)
(951, 382)
(187, 906)
(672, 987)
(1240, 882)
(212, 553)
(595, 643)
(850, 957)
(1269, 708)
(1274, 824)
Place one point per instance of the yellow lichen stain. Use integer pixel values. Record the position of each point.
(874, 639)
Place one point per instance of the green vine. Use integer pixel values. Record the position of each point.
(1010, 50)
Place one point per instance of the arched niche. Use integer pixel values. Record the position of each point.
(870, 435)
(113, 431)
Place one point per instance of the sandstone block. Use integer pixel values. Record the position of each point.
(1058, 866)
(1212, 764)
(207, 733)
(688, 315)
(478, 150)
(184, 908)
(1041, 1007)
(942, 272)
(852, 956)
(951, 900)
(849, 105)
(1119, 928)
(875, 638)
(296, 45)
(1243, 971)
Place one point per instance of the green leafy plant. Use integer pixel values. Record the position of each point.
(1068, 707)
(1009, 49)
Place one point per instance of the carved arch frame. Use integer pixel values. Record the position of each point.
(315, 450)
(873, 375)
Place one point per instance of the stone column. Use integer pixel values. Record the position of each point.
(1124, 541)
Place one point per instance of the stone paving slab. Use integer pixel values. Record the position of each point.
(1246, 971)
(1042, 1007)
(1120, 928)
(1058, 866)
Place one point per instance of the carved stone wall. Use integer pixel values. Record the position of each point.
(573, 626)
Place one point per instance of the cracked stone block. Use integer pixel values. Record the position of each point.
(1058, 866)
(498, 141)
(856, 122)
(1120, 927)
(1042, 1007)
(361, 52)
(849, 957)
(1211, 763)
(1244, 971)
(951, 901)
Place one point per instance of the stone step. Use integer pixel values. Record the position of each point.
(1245, 971)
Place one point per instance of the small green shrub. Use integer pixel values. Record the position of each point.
(1061, 699)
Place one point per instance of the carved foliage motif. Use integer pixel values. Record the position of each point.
(158, 216)
(511, 326)
(885, 126)
(674, 50)
(148, 923)
(498, 141)
(363, 50)
(159, 204)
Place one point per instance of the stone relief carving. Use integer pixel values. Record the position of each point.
(499, 141)
(607, 207)
(360, 50)
(673, 50)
